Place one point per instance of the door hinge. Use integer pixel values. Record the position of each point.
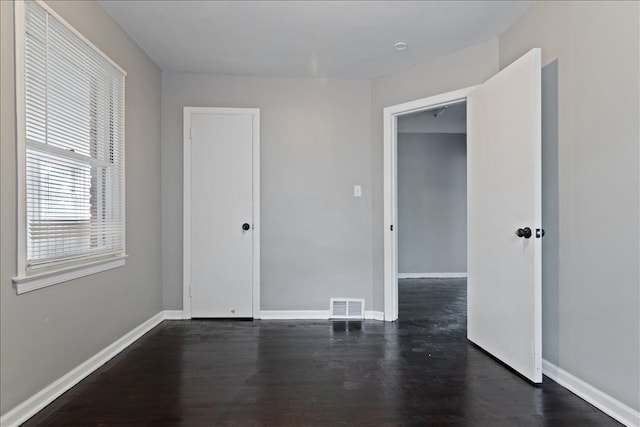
(191, 132)
(391, 227)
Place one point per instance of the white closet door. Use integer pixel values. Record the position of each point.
(221, 215)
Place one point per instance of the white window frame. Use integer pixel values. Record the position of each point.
(24, 281)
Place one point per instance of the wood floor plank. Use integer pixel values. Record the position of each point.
(420, 370)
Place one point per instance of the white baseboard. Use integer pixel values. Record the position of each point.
(35, 403)
(607, 404)
(173, 315)
(374, 315)
(430, 275)
(294, 314)
(310, 315)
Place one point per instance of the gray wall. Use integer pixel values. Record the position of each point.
(319, 138)
(47, 332)
(460, 69)
(592, 329)
(315, 145)
(550, 212)
(432, 202)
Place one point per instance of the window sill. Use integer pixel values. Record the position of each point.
(30, 283)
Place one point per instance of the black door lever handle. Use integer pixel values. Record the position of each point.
(246, 226)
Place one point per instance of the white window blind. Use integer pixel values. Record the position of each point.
(73, 147)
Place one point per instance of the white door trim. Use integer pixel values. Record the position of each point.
(390, 204)
(186, 230)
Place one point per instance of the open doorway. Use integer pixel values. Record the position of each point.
(504, 221)
(432, 194)
(425, 112)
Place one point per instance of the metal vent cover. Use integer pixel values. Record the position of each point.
(346, 308)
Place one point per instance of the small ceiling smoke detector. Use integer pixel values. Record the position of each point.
(400, 46)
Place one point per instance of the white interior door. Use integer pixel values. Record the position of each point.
(221, 213)
(504, 195)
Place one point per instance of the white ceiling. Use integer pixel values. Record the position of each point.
(332, 39)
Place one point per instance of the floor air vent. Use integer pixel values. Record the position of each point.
(347, 308)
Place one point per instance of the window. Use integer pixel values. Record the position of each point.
(70, 120)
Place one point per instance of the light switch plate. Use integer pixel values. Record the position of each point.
(357, 191)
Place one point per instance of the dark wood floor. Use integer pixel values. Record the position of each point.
(419, 370)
